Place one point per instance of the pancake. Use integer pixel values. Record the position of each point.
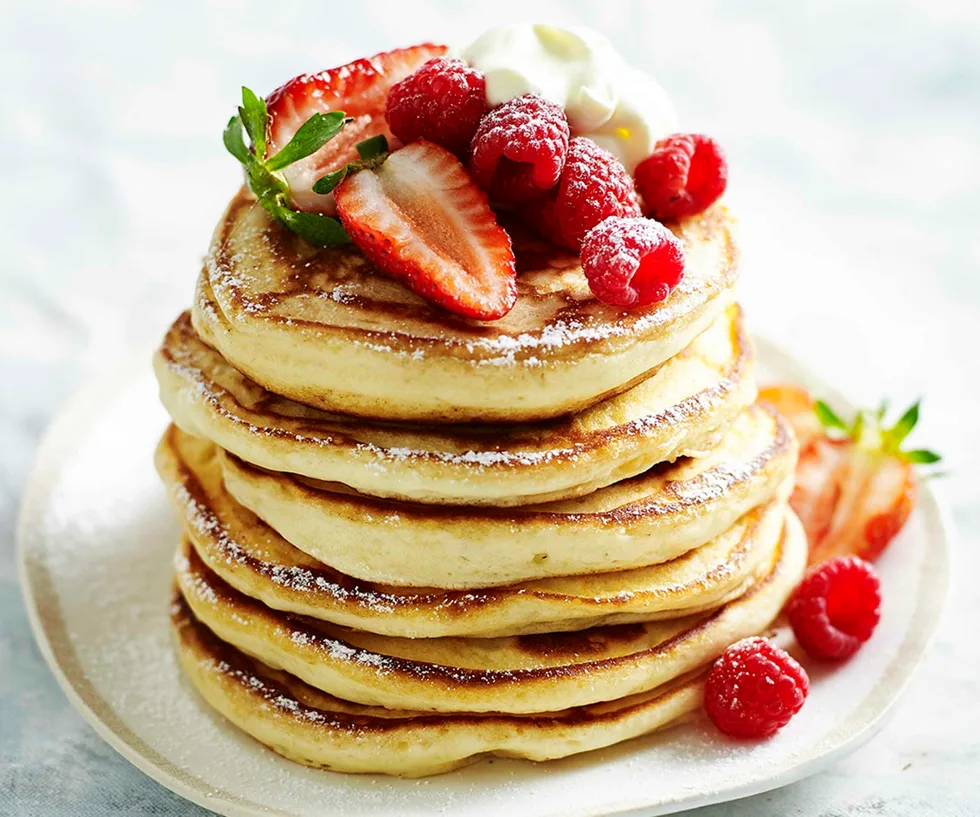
(645, 520)
(254, 559)
(316, 729)
(323, 327)
(677, 411)
(518, 674)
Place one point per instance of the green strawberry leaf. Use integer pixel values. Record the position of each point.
(331, 180)
(920, 456)
(235, 142)
(255, 116)
(375, 146)
(857, 429)
(262, 182)
(373, 153)
(312, 135)
(321, 231)
(867, 431)
(828, 417)
(898, 432)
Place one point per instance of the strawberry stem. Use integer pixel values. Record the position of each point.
(868, 431)
(262, 173)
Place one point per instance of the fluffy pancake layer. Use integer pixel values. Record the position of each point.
(317, 729)
(249, 555)
(521, 674)
(650, 519)
(326, 329)
(676, 411)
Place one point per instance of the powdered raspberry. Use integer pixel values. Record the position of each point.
(593, 187)
(685, 174)
(836, 607)
(754, 689)
(518, 151)
(443, 101)
(632, 261)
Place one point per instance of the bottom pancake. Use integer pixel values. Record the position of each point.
(316, 729)
(524, 674)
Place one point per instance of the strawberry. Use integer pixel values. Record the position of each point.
(420, 218)
(855, 485)
(797, 406)
(360, 90)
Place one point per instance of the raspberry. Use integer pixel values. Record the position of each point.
(754, 689)
(593, 187)
(836, 607)
(518, 151)
(685, 174)
(632, 261)
(443, 101)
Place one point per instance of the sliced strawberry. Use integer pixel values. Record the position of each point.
(815, 495)
(360, 89)
(854, 490)
(796, 405)
(421, 219)
(876, 494)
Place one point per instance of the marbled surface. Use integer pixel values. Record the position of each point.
(852, 129)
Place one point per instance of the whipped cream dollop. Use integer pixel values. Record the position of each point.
(622, 109)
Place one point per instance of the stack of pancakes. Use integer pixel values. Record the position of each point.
(410, 539)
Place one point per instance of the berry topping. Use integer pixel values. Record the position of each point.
(594, 186)
(836, 608)
(685, 174)
(754, 689)
(443, 102)
(855, 484)
(519, 149)
(359, 89)
(632, 261)
(421, 219)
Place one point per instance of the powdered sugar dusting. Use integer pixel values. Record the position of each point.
(209, 527)
(481, 459)
(235, 276)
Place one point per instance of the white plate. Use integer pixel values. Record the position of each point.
(96, 538)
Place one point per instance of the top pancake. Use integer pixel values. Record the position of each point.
(323, 327)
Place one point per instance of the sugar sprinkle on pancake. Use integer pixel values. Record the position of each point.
(675, 412)
(323, 328)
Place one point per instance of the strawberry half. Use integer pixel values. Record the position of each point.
(855, 486)
(360, 89)
(421, 219)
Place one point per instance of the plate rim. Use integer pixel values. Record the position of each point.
(44, 616)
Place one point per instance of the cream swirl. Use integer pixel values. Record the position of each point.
(622, 109)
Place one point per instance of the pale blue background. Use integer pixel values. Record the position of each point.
(853, 131)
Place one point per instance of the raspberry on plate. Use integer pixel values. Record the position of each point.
(754, 689)
(836, 607)
(685, 175)
(443, 102)
(594, 186)
(632, 262)
(519, 148)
